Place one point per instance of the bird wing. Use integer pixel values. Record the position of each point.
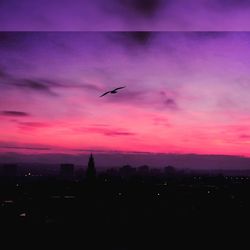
(104, 93)
(119, 88)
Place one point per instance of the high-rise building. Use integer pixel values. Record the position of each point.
(127, 171)
(91, 171)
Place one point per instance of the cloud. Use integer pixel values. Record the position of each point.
(109, 132)
(34, 124)
(106, 151)
(15, 145)
(110, 15)
(42, 86)
(36, 85)
(14, 40)
(144, 8)
(31, 126)
(45, 86)
(29, 148)
(132, 40)
(145, 98)
(105, 131)
(84, 86)
(14, 113)
(136, 37)
(3, 74)
(127, 96)
(229, 4)
(169, 102)
(206, 35)
(244, 136)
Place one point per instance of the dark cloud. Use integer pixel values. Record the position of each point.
(14, 40)
(29, 148)
(14, 113)
(45, 86)
(33, 124)
(244, 136)
(206, 35)
(138, 37)
(229, 4)
(132, 39)
(108, 152)
(159, 121)
(171, 104)
(117, 133)
(169, 101)
(109, 132)
(106, 131)
(146, 8)
(129, 97)
(37, 85)
(42, 86)
(3, 74)
(86, 86)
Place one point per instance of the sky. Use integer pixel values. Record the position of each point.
(124, 15)
(186, 92)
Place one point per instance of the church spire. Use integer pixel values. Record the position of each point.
(91, 171)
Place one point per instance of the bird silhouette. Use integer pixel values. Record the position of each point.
(114, 91)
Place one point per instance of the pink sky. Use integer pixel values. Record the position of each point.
(185, 92)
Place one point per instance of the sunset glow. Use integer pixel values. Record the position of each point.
(185, 92)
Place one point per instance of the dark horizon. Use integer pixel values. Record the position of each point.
(106, 160)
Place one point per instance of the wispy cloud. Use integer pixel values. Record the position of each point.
(28, 148)
(12, 113)
(3, 73)
(34, 124)
(105, 131)
(169, 101)
(22, 146)
(128, 96)
(133, 39)
(36, 85)
(229, 4)
(244, 136)
(146, 8)
(44, 86)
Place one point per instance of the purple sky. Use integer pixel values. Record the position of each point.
(186, 92)
(118, 15)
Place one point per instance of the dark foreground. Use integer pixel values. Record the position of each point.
(125, 214)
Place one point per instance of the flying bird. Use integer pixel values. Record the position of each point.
(114, 91)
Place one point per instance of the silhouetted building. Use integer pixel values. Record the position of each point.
(155, 172)
(111, 172)
(80, 173)
(143, 170)
(127, 171)
(169, 171)
(67, 171)
(91, 171)
(9, 170)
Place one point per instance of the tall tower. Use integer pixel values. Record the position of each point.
(91, 171)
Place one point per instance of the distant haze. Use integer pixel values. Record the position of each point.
(180, 161)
